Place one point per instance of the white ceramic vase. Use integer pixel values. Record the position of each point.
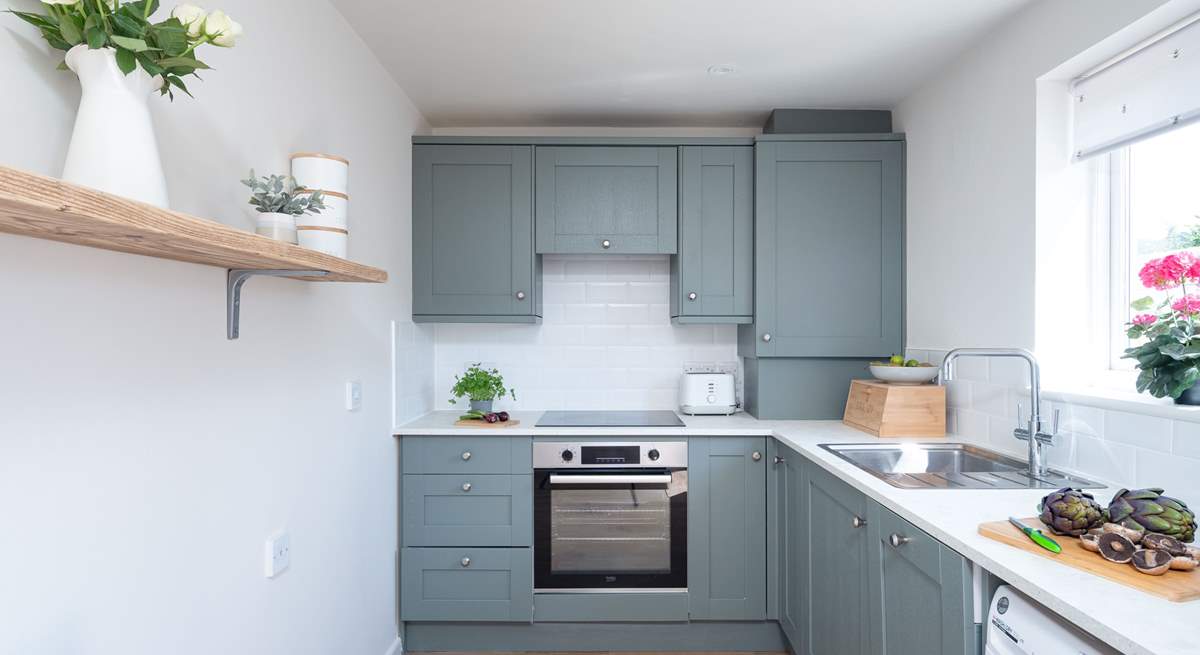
(113, 147)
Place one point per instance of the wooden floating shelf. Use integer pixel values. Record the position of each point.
(47, 208)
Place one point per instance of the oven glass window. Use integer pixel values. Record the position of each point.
(610, 530)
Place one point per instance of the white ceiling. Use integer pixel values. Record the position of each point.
(643, 62)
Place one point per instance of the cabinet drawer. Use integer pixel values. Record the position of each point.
(468, 510)
(467, 454)
(466, 584)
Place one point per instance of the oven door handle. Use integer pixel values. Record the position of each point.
(610, 479)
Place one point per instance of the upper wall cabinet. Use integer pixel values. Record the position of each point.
(473, 257)
(596, 199)
(829, 249)
(712, 277)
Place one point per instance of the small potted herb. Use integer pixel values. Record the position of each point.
(481, 387)
(279, 200)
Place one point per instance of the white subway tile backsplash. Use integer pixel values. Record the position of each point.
(1109, 461)
(1138, 430)
(1176, 475)
(1186, 440)
(991, 399)
(606, 340)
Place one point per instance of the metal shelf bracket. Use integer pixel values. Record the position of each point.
(233, 292)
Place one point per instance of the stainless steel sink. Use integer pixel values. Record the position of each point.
(948, 466)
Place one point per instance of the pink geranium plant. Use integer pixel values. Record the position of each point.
(1169, 360)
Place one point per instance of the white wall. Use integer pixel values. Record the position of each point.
(606, 340)
(971, 174)
(143, 458)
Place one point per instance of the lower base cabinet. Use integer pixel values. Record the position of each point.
(920, 591)
(466, 584)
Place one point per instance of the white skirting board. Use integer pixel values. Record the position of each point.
(397, 648)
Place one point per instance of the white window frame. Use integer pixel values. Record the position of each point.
(1115, 176)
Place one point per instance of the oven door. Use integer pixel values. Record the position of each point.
(610, 529)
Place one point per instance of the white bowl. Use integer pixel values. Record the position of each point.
(337, 209)
(328, 240)
(319, 171)
(905, 374)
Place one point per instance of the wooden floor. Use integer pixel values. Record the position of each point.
(593, 653)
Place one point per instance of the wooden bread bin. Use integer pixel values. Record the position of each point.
(896, 410)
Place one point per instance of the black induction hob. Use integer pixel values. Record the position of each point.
(661, 418)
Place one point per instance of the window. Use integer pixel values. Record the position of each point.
(1154, 210)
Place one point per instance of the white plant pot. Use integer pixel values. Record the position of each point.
(113, 147)
(337, 208)
(329, 240)
(281, 227)
(314, 170)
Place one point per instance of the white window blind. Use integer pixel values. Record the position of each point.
(1153, 88)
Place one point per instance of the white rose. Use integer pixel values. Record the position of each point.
(222, 29)
(192, 18)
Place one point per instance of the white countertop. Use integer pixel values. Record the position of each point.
(1129, 620)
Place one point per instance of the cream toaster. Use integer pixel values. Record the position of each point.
(707, 393)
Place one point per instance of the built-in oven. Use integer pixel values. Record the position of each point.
(610, 516)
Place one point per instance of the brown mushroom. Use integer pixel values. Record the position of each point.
(1115, 528)
(1116, 547)
(1193, 552)
(1089, 542)
(1151, 562)
(1183, 563)
(1164, 542)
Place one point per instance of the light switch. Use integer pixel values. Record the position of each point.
(279, 554)
(353, 396)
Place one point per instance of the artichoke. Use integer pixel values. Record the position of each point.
(1149, 510)
(1071, 512)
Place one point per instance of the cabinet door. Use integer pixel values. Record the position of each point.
(920, 591)
(713, 273)
(623, 196)
(829, 232)
(834, 550)
(473, 232)
(792, 525)
(727, 528)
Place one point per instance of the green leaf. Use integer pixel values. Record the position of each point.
(182, 62)
(174, 80)
(96, 38)
(93, 21)
(126, 61)
(55, 40)
(133, 45)
(128, 26)
(1142, 304)
(70, 32)
(37, 20)
(149, 65)
(172, 40)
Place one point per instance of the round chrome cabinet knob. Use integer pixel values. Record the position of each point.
(692, 296)
(466, 561)
(767, 337)
(466, 455)
(567, 455)
(466, 486)
(653, 454)
(858, 522)
(756, 456)
(520, 295)
(606, 244)
(897, 541)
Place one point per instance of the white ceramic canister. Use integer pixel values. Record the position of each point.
(281, 227)
(314, 170)
(329, 240)
(335, 214)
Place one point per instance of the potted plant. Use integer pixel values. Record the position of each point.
(1169, 360)
(279, 200)
(481, 387)
(121, 56)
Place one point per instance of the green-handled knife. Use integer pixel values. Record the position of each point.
(1037, 537)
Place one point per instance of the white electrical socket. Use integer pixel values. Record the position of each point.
(279, 554)
(353, 396)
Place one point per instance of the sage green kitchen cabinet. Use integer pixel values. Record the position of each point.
(712, 276)
(790, 524)
(472, 239)
(727, 528)
(829, 249)
(920, 591)
(466, 584)
(606, 199)
(834, 569)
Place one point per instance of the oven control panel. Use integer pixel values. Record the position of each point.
(621, 454)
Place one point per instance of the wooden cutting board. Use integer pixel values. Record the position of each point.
(1175, 586)
(478, 423)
